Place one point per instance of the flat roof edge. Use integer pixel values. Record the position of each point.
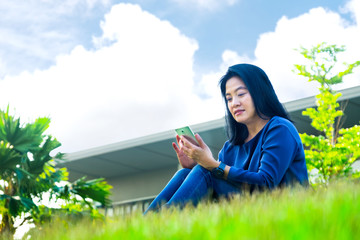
(119, 145)
(213, 124)
(140, 140)
(347, 93)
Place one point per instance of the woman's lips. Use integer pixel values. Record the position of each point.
(238, 112)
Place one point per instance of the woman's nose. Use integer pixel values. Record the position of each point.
(235, 102)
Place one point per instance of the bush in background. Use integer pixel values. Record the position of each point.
(332, 153)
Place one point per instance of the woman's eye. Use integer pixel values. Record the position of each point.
(228, 99)
(241, 94)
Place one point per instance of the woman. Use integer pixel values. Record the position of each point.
(264, 149)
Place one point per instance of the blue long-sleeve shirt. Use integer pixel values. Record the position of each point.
(275, 156)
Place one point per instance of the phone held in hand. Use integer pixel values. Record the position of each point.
(186, 131)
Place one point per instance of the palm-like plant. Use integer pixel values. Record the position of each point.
(27, 171)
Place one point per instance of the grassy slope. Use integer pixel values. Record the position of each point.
(332, 213)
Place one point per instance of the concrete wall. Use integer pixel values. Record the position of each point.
(142, 185)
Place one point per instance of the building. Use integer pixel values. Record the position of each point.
(139, 168)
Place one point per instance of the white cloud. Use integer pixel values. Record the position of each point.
(205, 4)
(139, 84)
(138, 79)
(230, 58)
(209, 81)
(354, 8)
(33, 32)
(276, 55)
(275, 50)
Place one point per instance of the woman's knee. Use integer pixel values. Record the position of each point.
(199, 168)
(195, 171)
(199, 172)
(186, 171)
(183, 171)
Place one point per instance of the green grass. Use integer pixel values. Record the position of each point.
(332, 213)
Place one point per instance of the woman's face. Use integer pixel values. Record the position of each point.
(239, 102)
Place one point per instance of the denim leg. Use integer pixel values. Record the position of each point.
(201, 183)
(191, 186)
(169, 190)
(196, 186)
(223, 188)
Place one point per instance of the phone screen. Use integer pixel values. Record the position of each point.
(186, 131)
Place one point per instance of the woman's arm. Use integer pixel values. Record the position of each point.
(277, 153)
(226, 172)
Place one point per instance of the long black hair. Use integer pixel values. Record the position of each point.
(267, 104)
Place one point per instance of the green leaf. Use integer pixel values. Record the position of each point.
(4, 196)
(9, 158)
(28, 203)
(96, 189)
(14, 206)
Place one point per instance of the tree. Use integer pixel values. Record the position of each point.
(27, 171)
(333, 152)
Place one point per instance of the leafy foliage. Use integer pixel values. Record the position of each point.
(332, 153)
(27, 171)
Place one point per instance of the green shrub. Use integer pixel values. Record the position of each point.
(332, 153)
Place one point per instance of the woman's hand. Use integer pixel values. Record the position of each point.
(199, 153)
(184, 160)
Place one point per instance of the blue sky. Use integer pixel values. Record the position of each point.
(234, 26)
(216, 25)
(106, 71)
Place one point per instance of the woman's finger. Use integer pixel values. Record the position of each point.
(184, 148)
(200, 141)
(177, 150)
(186, 141)
(178, 139)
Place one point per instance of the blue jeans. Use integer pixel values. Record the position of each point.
(191, 186)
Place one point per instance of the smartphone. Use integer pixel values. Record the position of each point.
(186, 131)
